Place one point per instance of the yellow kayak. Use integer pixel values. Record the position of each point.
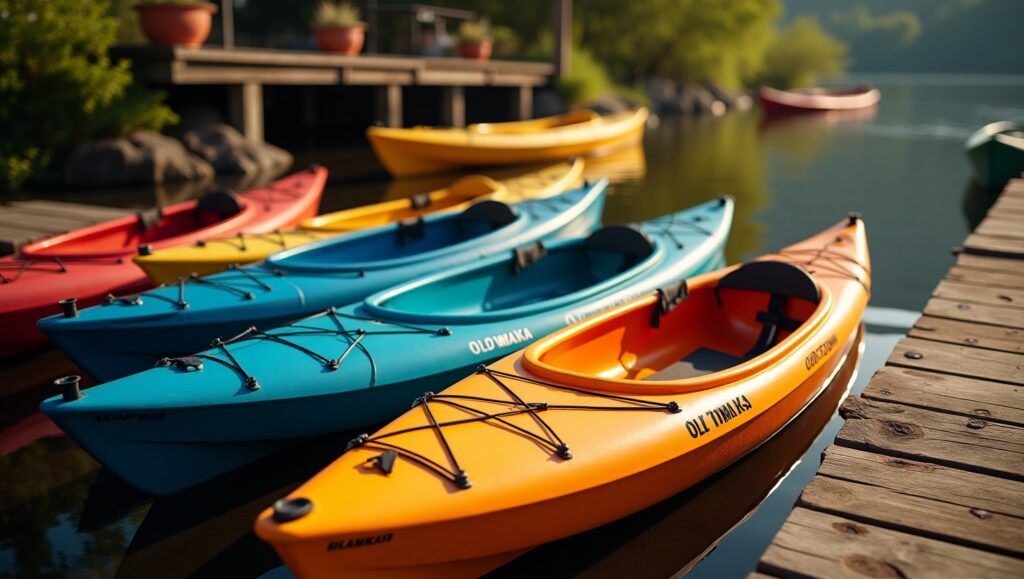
(423, 150)
(213, 255)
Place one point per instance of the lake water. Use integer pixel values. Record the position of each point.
(901, 166)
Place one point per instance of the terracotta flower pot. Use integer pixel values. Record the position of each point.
(477, 50)
(176, 24)
(347, 40)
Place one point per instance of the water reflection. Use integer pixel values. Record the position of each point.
(672, 536)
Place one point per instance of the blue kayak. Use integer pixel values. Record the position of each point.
(355, 366)
(129, 334)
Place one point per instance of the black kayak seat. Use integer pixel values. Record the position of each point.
(490, 211)
(222, 202)
(781, 281)
(150, 218)
(624, 239)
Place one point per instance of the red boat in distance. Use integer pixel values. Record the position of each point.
(809, 100)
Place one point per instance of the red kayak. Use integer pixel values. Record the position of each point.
(775, 101)
(89, 263)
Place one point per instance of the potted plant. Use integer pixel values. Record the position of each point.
(475, 40)
(176, 22)
(338, 28)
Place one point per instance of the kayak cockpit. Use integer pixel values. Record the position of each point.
(692, 337)
(406, 240)
(533, 278)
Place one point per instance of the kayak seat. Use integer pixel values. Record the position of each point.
(495, 213)
(150, 218)
(217, 205)
(624, 239)
(782, 281)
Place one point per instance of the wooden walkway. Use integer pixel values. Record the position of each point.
(926, 477)
(245, 71)
(23, 222)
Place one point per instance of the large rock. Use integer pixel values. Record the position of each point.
(142, 158)
(230, 152)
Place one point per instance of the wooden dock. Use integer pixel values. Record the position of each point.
(926, 477)
(245, 71)
(23, 222)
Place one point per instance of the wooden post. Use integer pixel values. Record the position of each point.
(522, 102)
(389, 105)
(561, 11)
(245, 104)
(227, 20)
(453, 106)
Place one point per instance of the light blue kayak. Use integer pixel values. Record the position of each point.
(358, 365)
(130, 334)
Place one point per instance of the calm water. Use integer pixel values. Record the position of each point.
(901, 167)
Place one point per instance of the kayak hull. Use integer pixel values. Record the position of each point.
(217, 254)
(586, 467)
(774, 101)
(210, 423)
(996, 154)
(115, 340)
(421, 151)
(77, 265)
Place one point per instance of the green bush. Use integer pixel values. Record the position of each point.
(58, 87)
(800, 54)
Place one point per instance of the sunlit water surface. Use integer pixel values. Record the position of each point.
(901, 167)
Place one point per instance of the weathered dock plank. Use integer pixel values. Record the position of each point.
(972, 444)
(814, 544)
(980, 313)
(903, 512)
(990, 263)
(958, 360)
(920, 479)
(968, 333)
(969, 397)
(979, 294)
(1006, 278)
(994, 246)
(22, 222)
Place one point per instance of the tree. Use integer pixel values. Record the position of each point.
(684, 40)
(800, 54)
(59, 87)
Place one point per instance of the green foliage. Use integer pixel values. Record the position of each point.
(586, 80)
(684, 40)
(129, 30)
(474, 31)
(342, 14)
(58, 87)
(506, 41)
(800, 54)
(173, 2)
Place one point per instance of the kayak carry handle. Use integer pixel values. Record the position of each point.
(70, 307)
(69, 389)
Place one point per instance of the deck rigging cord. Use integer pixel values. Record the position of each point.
(827, 260)
(21, 265)
(547, 437)
(298, 329)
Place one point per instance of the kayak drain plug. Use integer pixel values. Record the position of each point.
(70, 306)
(69, 390)
(287, 510)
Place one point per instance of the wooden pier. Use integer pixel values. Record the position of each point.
(245, 71)
(22, 222)
(926, 477)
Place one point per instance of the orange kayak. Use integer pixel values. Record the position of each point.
(588, 425)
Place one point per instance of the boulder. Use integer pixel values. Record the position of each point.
(229, 152)
(141, 158)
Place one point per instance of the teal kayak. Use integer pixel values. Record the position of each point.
(996, 152)
(198, 416)
(129, 334)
